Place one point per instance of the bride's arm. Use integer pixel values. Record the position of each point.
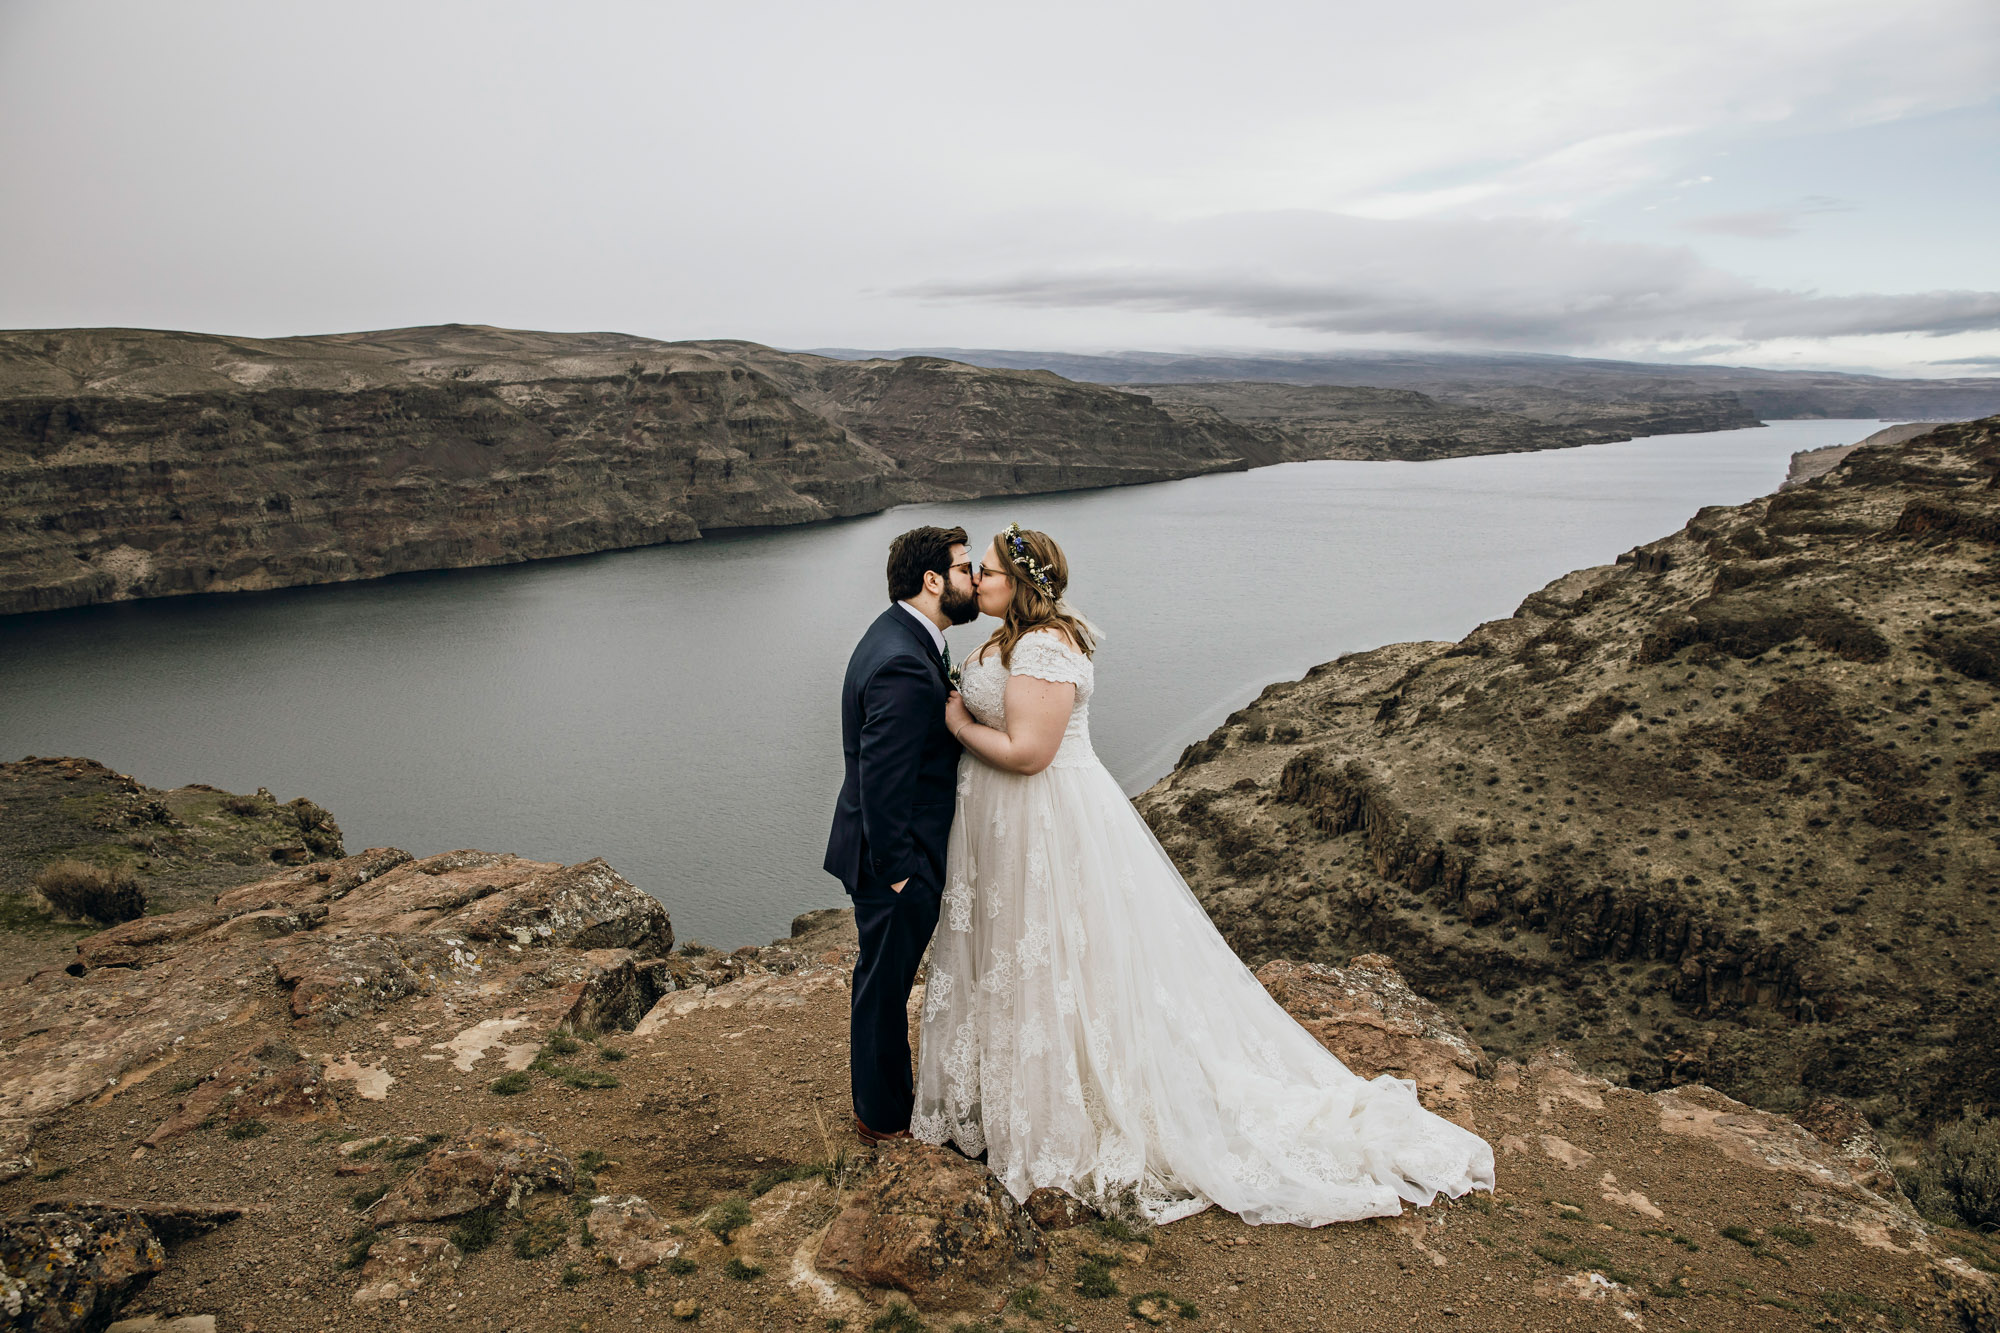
(1037, 713)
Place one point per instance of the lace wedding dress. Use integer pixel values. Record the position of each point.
(1087, 1027)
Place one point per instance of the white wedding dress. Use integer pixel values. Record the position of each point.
(1086, 1026)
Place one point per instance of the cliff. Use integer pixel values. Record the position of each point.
(1332, 421)
(1722, 810)
(144, 464)
(474, 1091)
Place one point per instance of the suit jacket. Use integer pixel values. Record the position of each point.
(895, 807)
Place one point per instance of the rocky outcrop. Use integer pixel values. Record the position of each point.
(1368, 1016)
(145, 464)
(495, 1167)
(1721, 812)
(1810, 463)
(339, 940)
(715, 1180)
(1339, 421)
(930, 1223)
(73, 1270)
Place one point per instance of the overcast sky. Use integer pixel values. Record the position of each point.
(1770, 182)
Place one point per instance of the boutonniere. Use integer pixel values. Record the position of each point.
(951, 674)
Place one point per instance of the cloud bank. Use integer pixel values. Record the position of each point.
(1509, 282)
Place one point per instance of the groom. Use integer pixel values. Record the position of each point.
(889, 829)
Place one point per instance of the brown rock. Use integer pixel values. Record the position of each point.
(171, 1220)
(628, 1235)
(400, 1266)
(497, 1165)
(17, 1155)
(1365, 1014)
(932, 1224)
(269, 1081)
(1053, 1210)
(61, 1271)
(1844, 1129)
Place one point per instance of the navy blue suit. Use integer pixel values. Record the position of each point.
(891, 824)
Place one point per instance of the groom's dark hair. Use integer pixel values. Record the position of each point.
(918, 552)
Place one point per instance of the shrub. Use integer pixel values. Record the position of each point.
(561, 1043)
(358, 1245)
(84, 892)
(572, 1275)
(246, 805)
(509, 1084)
(1094, 1280)
(680, 1265)
(1965, 1158)
(741, 1271)
(539, 1236)
(246, 1129)
(726, 1218)
(477, 1230)
(900, 1317)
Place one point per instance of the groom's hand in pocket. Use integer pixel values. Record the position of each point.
(898, 887)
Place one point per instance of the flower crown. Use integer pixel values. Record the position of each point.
(1017, 551)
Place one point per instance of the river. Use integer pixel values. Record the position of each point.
(675, 709)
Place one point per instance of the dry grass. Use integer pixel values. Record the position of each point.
(81, 891)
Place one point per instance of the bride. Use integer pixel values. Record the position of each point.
(1084, 1024)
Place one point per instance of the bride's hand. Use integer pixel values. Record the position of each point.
(955, 714)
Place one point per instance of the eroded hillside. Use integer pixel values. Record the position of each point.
(142, 464)
(1725, 810)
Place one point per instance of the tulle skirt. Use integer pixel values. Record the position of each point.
(1086, 1026)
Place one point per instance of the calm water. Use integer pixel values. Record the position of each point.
(675, 709)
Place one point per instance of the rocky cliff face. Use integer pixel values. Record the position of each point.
(142, 464)
(1333, 421)
(1723, 810)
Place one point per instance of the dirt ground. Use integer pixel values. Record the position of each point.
(752, 1078)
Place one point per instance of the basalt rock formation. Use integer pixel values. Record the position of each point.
(144, 464)
(1333, 421)
(1724, 810)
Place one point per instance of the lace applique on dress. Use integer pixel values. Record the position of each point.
(1087, 1028)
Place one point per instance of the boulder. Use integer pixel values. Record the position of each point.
(400, 1266)
(1368, 1016)
(930, 1223)
(61, 1271)
(1053, 1210)
(171, 1220)
(628, 1235)
(496, 1165)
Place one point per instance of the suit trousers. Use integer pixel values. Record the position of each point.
(895, 929)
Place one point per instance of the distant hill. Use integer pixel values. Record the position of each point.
(1555, 389)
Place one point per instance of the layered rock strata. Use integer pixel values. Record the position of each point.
(145, 464)
(1722, 811)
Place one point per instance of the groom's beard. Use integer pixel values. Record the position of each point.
(958, 610)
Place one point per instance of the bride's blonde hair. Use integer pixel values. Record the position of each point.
(1041, 574)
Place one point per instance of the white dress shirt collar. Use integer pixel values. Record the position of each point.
(937, 635)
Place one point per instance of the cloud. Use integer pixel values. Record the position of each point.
(1767, 224)
(1993, 361)
(1501, 282)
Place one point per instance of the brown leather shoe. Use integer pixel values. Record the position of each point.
(875, 1135)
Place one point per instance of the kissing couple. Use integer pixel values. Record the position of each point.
(1084, 1025)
